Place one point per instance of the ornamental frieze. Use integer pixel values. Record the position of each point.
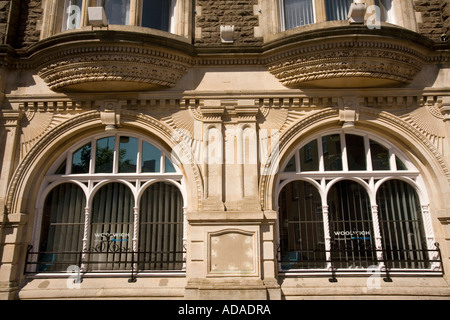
(346, 63)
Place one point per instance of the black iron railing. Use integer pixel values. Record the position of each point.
(344, 261)
(112, 261)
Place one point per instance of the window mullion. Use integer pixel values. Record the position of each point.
(344, 158)
(135, 12)
(319, 11)
(116, 155)
(368, 153)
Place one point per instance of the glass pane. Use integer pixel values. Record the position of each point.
(117, 11)
(380, 156)
(111, 228)
(104, 157)
(400, 164)
(309, 157)
(290, 166)
(337, 9)
(401, 225)
(72, 14)
(151, 158)
(161, 228)
(332, 153)
(301, 227)
(356, 153)
(128, 148)
(81, 159)
(169, 166)
(298, 13)
(350, 226)
(156, 14)
(62, 228)
(62, 168)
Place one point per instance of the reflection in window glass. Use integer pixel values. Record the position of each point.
(290, 167)
(332, 155)
(104, 157)
(309, 157)
(62, 168)
(400, 164)
(156, 14)
(127, 154)
(380, 156)
(117, 11)
(169, 166)
(72, 14)
(81, 159)
(356, 155)
(151, 158)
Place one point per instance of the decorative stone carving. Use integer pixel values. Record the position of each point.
(111, 66)
(346, 61)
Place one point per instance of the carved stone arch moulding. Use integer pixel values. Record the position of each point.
(393, 124)
(27, 167)
(380, 121)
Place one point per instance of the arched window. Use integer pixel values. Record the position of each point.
(351, 225)
(111, 227)
(62, 227)
(301, 223)
(161, 214)
(402, 231)
(348, 201)
(125, 194)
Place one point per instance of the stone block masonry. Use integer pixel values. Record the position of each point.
(212, 14)
(30, 19)
(432, 24)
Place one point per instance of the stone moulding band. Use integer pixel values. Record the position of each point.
(75, 62)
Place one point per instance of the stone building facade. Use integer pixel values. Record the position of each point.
(233, 149)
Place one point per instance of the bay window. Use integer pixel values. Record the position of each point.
(349, 201)
(297, 13)
(164, 15)
(112, 203)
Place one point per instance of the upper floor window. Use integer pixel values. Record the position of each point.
(165, 15)
(303, 12)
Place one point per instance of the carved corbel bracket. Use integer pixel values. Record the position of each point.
(444, 106)
(348, 111)
(110, 113)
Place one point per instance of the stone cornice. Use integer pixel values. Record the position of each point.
(92, 61)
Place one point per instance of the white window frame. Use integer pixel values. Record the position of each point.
(179, 21)
(324, 180)
(91, 182)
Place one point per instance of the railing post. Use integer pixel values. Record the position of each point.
(26, 258)
(386, 266)
(133, 277)
(331, 267)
